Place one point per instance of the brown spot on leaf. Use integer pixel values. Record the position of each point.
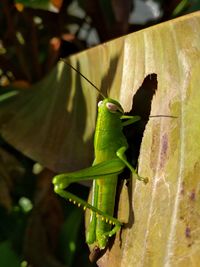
(164, 150)
(182, 188)
(190, 244)
(187, 232)
(192, 195)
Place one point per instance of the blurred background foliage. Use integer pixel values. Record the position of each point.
(36, 228)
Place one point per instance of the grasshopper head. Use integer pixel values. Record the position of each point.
(111, 105)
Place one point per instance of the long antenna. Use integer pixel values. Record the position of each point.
(163, 116)
(83, 77)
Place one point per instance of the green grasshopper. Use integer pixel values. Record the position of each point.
(110, 145)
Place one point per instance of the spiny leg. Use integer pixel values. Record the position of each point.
(98, 213)
(98, 171)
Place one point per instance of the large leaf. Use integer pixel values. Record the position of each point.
(50, 122)
(164, 230)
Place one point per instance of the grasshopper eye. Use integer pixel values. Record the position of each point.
(100, 103)
(112, 107)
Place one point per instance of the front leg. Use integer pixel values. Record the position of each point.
(121, 154)
(129, 119)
